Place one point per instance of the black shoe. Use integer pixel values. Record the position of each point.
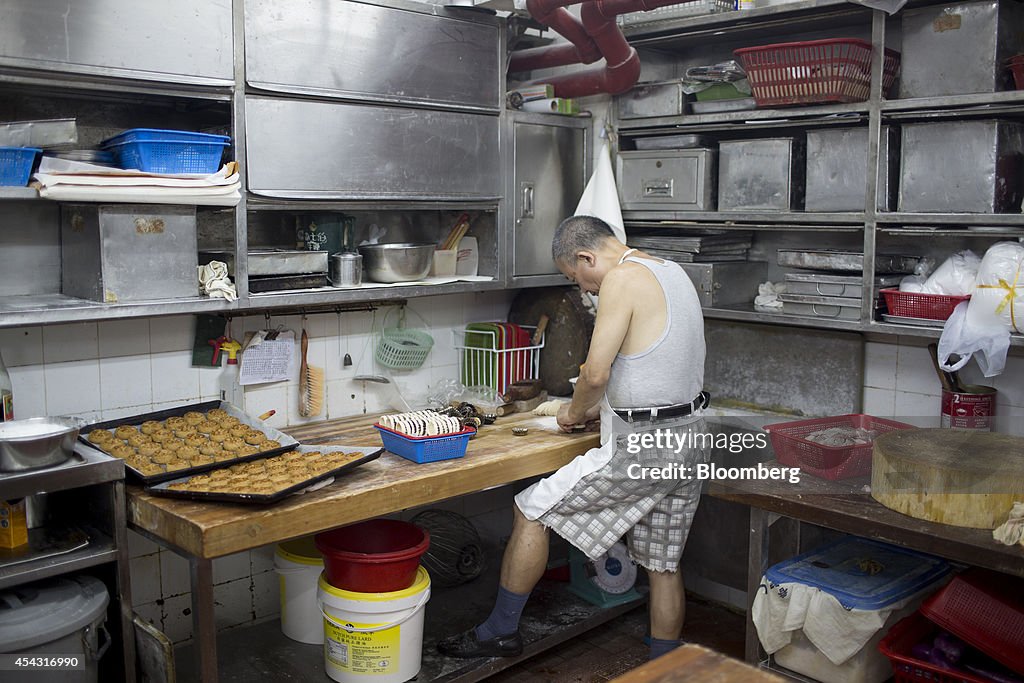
(466, 645)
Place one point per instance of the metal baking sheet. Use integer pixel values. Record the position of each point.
(716, 106)
(369, 454)
(903, 320)
(287, 442)
(844, 261)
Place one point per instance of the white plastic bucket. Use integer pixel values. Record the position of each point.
(298, 565)
(373, 637)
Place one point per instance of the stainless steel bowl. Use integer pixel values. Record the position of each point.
(37, 442)
(400, 262)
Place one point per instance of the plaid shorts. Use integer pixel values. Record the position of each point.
(604, 505)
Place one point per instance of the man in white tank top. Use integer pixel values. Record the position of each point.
(646, 357)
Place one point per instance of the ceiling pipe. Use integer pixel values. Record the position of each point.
(599, 29)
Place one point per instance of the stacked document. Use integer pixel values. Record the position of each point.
(705, 246)
(65, 180)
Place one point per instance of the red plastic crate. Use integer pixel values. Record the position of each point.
(920, 305)
(906, 668)
(814, 71)
(827, 462)
(984, 609)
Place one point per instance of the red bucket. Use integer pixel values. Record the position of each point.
(377, 556)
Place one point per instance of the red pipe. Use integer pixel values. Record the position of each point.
(598, 35)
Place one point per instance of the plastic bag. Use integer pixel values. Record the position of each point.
(956, 275)
(990, 341)
(998, 295)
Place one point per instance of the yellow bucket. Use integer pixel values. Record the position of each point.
(373, 637)
(298, 565)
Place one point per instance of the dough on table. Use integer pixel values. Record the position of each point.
(549, 408)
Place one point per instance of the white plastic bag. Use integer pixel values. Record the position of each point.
(998, 296)
(956, 276)
(990, 342)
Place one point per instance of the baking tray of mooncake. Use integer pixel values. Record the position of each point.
(185, 440)
(270, 479)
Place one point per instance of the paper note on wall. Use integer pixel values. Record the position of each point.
(268, 360)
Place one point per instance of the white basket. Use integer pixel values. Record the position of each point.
(480, 364)
(693, 8)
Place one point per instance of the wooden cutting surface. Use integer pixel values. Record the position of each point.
(699, 665)
(388, 484)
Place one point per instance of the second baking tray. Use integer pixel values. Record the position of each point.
(369, 454)
(287, 442)
(844, 261)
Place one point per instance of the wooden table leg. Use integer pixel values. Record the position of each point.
(204, 623)
(757, 560)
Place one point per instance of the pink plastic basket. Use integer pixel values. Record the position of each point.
(920, 305)
(827, 462)
(814, 71)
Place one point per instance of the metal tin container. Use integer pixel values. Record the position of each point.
(345, 270)
(725, 284)
(662, 98)
(682, 180)
(844, 261)
(761, 175)
(962, 167)
(124, 252)
(834, 307)
(959, 48)
(688, 141)
(37, 442)
(827, 284)
(272, 261)
(837, 169)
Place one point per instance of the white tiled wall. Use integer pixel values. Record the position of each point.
(106, 370)
(900, 382)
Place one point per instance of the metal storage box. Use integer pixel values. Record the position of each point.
(837, 168)
(125, 252)
(962, 167)
(652, 99)
(832, 285)
(761, 175)
(834, 307)
(959, 48)
(681, 180)
(725, 284)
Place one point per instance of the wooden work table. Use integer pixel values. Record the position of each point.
(203, 531)
(696, 664)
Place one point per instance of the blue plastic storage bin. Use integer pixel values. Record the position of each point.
(167, 151)
(426, 449)
(16, 165)
(860, 573)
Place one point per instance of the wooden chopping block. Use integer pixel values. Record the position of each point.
(521, 406)
(962, 478)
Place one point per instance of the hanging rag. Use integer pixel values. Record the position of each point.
(601, 195)
(214, 281)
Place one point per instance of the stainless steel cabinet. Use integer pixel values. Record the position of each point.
(185, 41)
(550, 162)
(357, 50)
(326, 150)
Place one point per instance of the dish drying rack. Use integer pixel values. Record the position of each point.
(481, 363)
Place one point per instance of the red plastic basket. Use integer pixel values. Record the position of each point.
(1017, 68)
(814, 71)
(827, 462)
(920, 305)
(986, 610)
(897, 644)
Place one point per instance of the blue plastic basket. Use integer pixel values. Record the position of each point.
(428, 448)
(16, 165)
(158, 134)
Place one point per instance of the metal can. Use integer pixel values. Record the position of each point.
(345, 269)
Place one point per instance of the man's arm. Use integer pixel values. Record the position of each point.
(614, 315)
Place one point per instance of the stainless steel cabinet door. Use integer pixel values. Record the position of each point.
(358, 151)
(185, 40)
(549, 176)
(368, 51)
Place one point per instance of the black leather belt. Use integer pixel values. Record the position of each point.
(702, 401)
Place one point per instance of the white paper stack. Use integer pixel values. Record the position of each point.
(64, 180)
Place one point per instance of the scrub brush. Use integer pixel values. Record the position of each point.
(311, 384)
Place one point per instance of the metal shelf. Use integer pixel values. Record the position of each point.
(958, 105)
(46, 309)
(826, 115)
(1007, 232)
(112, 85)
(101, 549)
(1000, 219)
(87, 467)
(746, 313)
(746, 220)
(760, 227)
(330, 295)
(921, 331)
(259, 203)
